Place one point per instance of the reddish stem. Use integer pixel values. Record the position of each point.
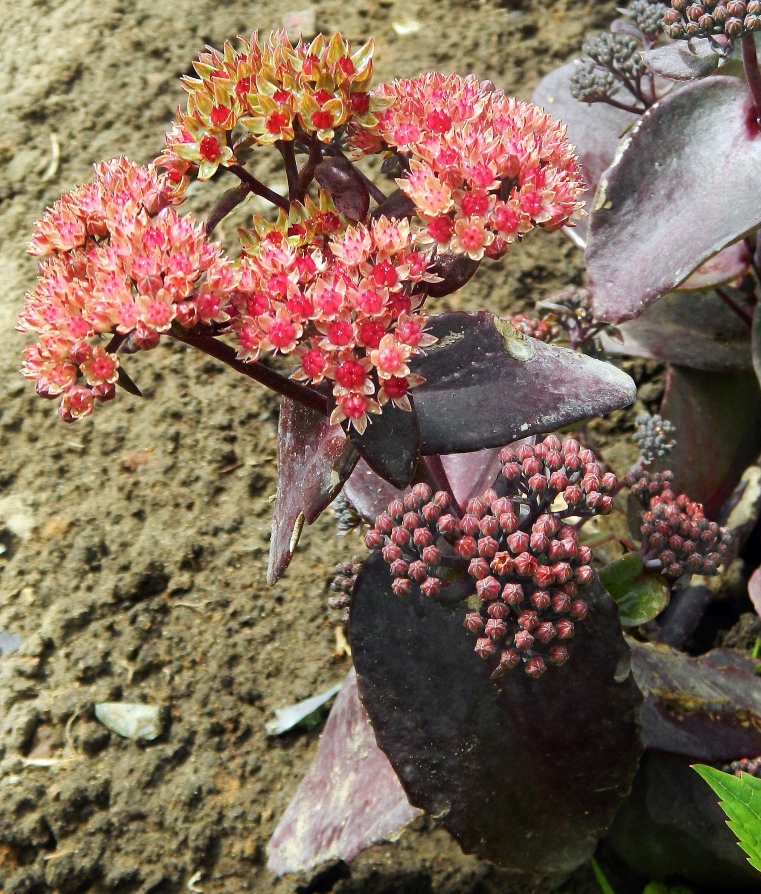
(750, 64)
(741, 312)
(257, 371)
(258, 188)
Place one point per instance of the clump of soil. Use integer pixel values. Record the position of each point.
(136, 541)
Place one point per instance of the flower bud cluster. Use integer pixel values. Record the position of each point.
(647, 16)
(481, 168)
(618, 53)
(542, 330)
(749, 765)
(118, 261)
(675, 532)
(652, 437)
(343, 583)
(274, 92)
(590, 83)
(706, 18)
(527, 564)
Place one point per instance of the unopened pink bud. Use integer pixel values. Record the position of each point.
(508, 522)
(546, 524)
(570, 445)
(540, 599)
(572, 463)
(412, 501)
(391, 552)
(478, 568)
(523, 640)
(431, 512)
(584, 574)
(431, 555)
(373, 539)
(584, 554)
(538, 483)
(418, 570)
(558, 655)
(495, 628)
(544, 576)
(401, 586)
(538, 542)
(512, 471)
(469, 524)
(488, 588)
(396, 509)
(512, 594)
(466, 547)
(532, 466)
(594, 499)
(384, 523)
(554, 460)
(509, 658)
(609, 482)
(484, 647)
(573, 495)
(563, 572)
(487, 547)
(476, 507)
(488, 496)
(518, 542)
(489, 526)
(497, 610)
(431, 586)
(473, 622)
(528, 620)
(422, 537)
(564, 628)
(441, 498)
(558, 481)
(578, 609)
(423, 492)
(400, 536)
(500, 506)
(525, 565)
(587, 456)
(523, 452)
(411, 520)
(448, 524)
(560, 602)
(399, 568)
(545, 631)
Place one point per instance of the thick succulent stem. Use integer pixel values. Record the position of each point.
(257, 371)
(750, 64)
(258, 188)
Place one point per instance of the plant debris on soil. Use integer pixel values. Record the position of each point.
(135, 542)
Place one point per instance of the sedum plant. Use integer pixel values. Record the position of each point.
(489, 656)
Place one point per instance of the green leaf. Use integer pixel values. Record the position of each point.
(741, 801)
(640, 594)
(661, 888)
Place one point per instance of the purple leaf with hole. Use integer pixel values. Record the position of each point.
(683, 60)
(643, 239)
(349, 799)
(707, 708)
(526, 773)
(488, 385)
(595, 129)
(314, 460)
(345, 185)
(754, 590)
(717, 417)
(390, 444)
(694, 329)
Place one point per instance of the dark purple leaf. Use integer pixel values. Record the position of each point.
(721, 268)
(314, 459)
(643, 240)
(396, 205)
(683, 615)
(390, 444)
(694, 329)
(706, 708)
(595, 129)
(345, 186)
(683, 60)
(488, 384)
(469, 474)
(526, 773)
(349, 799)
(718, 432)
(672, 826)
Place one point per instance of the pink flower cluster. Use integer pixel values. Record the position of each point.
(275, 92)
(120, 262)
(345, 307)
(482, 169)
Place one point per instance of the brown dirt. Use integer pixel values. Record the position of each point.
(142, 577)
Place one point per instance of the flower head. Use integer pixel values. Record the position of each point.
(483, 169)
(120, 262)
